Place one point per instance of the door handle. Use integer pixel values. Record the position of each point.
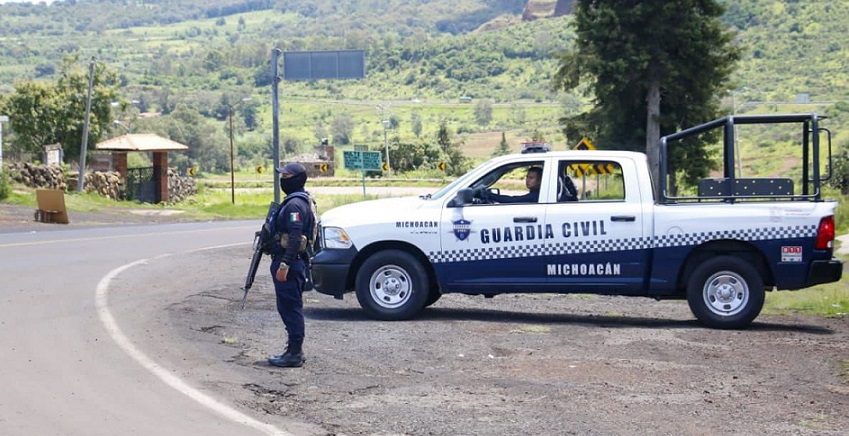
(626, 218)
(525, 219)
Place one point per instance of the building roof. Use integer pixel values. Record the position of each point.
(140, 142)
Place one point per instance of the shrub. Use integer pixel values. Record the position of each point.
(5, 185)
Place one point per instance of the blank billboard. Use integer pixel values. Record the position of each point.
(331, 64)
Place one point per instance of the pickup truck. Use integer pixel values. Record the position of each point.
(600, 225)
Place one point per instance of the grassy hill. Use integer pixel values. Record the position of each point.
(421, 57)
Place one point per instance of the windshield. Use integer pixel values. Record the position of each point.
(464, 179)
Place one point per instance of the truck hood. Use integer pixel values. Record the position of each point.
(372, 212)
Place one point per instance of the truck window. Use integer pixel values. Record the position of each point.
(513, 183)
(593, 180)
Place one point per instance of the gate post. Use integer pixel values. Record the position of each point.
(160, 175)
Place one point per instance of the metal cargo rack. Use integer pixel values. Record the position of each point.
(731, 188)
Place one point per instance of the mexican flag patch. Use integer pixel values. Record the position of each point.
(294, 217)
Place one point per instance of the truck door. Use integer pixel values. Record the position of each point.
(599, 241)
(493, 245)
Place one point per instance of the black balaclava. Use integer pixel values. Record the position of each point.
(296, 180)
(293, 184)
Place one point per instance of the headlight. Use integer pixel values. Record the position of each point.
(334, 237)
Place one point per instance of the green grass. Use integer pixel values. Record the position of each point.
(830, 300)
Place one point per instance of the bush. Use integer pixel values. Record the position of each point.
(5, 185)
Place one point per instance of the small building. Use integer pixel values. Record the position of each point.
(150, 184)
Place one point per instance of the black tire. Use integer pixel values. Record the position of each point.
(392, 285)
(725, 292)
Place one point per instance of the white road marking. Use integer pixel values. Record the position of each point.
(100, 238)
(102, 305)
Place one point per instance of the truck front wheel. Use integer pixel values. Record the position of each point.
(392, 285)
(725, 292)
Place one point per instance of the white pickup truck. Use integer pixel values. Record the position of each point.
(599, 225)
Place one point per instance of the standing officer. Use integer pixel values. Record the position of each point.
(288, 263)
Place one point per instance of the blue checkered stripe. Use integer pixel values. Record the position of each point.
(620, 244)
(599, 245)
(487, 253)
(753, 234)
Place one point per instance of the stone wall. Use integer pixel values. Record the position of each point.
(179, 187)
(108, 184)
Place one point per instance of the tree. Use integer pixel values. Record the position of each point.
(451, 153)
(207, 142)
(409, 156)
(342, 126)
(483, 112)
(503, 147)
(416, 121)
(654, 68)
(55, 112)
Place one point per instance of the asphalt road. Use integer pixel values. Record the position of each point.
(67, 366)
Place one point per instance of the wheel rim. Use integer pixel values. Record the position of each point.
(726, 293)
(390, 286)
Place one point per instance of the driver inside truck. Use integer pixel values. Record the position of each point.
(533, 179)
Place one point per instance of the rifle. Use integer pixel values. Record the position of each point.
(262, 240)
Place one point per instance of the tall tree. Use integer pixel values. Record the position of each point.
(503, 147)
(451, 153)
(483, 112)
(43, 113)
(654, 68)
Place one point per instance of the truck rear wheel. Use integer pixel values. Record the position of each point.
(392, 285)
(725, 292)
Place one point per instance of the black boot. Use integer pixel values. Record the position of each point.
(292, 358)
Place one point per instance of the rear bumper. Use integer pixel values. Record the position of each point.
(330, 269)
(824, 271)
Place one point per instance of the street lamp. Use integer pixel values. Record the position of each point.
(230, 108)
(385, 121)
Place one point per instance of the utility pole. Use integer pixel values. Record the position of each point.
(84, 146)
(230, 108)
(275, 122)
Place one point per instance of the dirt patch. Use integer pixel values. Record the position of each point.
(17, 218)
(517, 364)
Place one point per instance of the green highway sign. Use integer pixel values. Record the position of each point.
(362, 160)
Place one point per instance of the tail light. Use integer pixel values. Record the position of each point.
(825, 234)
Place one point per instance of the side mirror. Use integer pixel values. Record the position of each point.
(463, 197)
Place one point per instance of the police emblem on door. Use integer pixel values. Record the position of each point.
(462, 228)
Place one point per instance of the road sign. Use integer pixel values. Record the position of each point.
(323, 168)
(325, 64)
(259, 169)
(585, 144)
(192, 171)
(441, 166)
(385, 166)
(589, 169)
(362, 160)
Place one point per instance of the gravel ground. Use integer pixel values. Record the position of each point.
(514, 364)
(517, 364)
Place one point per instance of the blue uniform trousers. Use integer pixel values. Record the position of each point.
(290, 304)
